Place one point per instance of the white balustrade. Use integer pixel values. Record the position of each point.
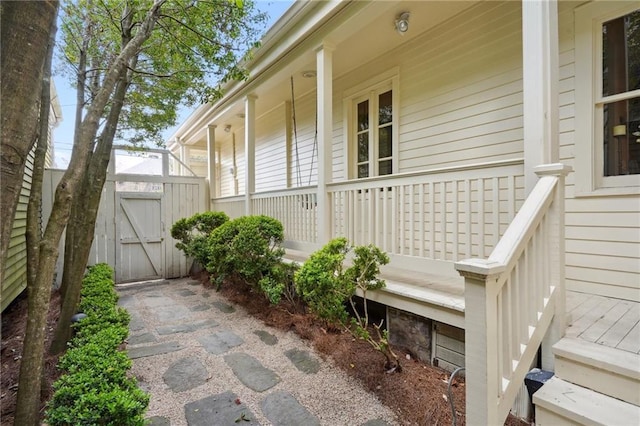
(512, 298)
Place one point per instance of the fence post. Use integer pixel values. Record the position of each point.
(481, 343)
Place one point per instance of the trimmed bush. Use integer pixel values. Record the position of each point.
(95, 388)
(192, 233)
(280, 283)
(248, 247)
(326, 285)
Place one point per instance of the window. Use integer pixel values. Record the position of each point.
(607, 98)
(372, 129)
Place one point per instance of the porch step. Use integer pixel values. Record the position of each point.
(560, 403)
(609, 371)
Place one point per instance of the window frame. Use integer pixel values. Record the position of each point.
(589, 103)
(370, 90)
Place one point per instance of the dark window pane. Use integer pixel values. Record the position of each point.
(384, 142)
(384, 167)
(363, 116)
(363, 170)
(622, 138)
(385, 112)
(363, 147)
(621, 54)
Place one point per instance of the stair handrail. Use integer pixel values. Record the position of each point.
(513, 298)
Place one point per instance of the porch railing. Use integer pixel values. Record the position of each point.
(443, 214)
(232, 206)
(294, 208)
(512, 298)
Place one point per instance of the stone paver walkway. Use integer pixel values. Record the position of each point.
(206, 362)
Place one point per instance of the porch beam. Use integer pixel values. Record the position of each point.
(540, 65)
(211, 161)
(324, 68)
(249, 150)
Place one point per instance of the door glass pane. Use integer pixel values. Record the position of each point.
(622, 138)
(384, 167)
(363, 170)
(363, 116)
(384, 142)
(621, 54)
(385, 113)
(363, 147)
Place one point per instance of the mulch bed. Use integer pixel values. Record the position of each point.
(14, 324)
(418, 395)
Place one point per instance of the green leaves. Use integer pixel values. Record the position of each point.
(194, 48)
(249, 247)
(193, 232)
(95, 388)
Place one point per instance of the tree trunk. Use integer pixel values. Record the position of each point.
(84, 210)
(84, 213)
(33, 349)
(24, 30)
(31, 365)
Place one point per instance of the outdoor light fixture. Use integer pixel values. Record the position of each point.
(227, 128)
(309, 74)
(402, 23)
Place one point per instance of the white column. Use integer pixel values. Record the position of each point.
(540, 86)
(249, 151)
(324, 67)
(211, 161)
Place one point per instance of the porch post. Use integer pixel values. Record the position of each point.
(249, 150)
(211, 161)
(481, 344)
(540, 86)
(324, 67)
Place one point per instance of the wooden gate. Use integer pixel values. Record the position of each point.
(133, 228)
(139, 236)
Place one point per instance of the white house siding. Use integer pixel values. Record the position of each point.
(227, 171)
(460, 91)
(15, 267)
(304, 147)
(271, 150)
(602, 233)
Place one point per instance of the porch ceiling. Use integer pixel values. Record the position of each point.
(361, 32)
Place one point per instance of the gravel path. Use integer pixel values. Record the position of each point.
(205, 362)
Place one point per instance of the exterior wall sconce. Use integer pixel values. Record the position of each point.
(402, 23)
(227, 128)
(620, 130)
(309, 74)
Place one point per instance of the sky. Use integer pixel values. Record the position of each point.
(63, 134)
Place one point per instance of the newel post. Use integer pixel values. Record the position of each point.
(481, 344)
(557, 259)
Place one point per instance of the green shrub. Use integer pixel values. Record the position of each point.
(192, 233)
(95, 388)
(280, 283)
(249, 247)
(326, 285)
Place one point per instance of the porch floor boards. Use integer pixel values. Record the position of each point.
(606, 321)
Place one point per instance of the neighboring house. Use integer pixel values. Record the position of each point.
(424, 128)
(15, 273)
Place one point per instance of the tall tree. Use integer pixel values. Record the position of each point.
(23, 53)
(33, 348)
(192, 48)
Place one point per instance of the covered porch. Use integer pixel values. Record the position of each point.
(458, 178)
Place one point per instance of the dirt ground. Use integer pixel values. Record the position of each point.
(418, 394)
(14, 322)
